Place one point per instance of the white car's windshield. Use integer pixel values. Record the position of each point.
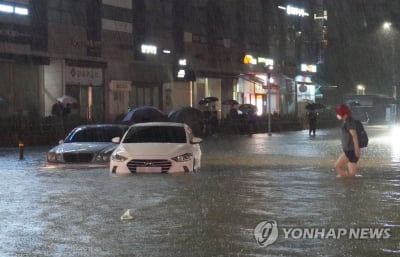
(159, 134)
(104, 134)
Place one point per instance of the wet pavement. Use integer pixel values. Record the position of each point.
(244, 180)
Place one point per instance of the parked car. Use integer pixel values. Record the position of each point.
(88, 145)
(156, 147)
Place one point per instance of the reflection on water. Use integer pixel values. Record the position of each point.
(394, 140)
(211, 213)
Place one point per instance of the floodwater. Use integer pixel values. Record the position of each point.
(244, 180)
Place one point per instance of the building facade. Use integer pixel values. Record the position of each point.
(114, 54)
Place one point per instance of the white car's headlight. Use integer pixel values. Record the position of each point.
(183, 158)
(118, 158)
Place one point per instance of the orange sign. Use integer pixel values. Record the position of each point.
(248, 59)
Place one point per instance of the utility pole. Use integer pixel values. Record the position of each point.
(268, 70)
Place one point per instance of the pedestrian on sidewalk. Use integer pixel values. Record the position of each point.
(350, 144)
(57, 109)
(312, 122)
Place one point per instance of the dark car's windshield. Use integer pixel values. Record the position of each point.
(100, 134)
(159, 134)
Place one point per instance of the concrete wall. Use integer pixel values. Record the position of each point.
(213, 88)
(53, 84)
(20, 85)
(67, 41)
(181, 94)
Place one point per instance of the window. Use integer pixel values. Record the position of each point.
(117, 13)
(67, 12)
(156, 134)
(104, 134)
(9, 8)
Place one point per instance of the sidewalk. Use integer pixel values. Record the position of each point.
(51, 134)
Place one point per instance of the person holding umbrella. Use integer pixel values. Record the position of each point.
(312, 122)
(210, 115)
(58, 109)
(312, 116)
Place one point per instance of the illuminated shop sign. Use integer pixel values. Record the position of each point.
(181, 74)
(303, 79)
(149, 49)
(249, 59)
(294, 11)
(182, 62)
(308, 68)
(10, 8)
(266, 61)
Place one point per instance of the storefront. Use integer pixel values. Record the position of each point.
(287, 95)
(86, 85)
(250, 89)
(305, 89)
(207, 84)
(118, 99)
(147, 83)
(21, 84)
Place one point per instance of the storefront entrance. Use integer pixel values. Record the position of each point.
(145, 94)
(85, 84)
(90, 102)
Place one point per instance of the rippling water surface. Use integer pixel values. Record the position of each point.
(243, 181)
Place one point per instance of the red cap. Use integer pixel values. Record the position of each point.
(343, 110)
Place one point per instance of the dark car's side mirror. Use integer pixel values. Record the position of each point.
(116, 140)
(196, 140)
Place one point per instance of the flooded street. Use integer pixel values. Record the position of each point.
(243, 181)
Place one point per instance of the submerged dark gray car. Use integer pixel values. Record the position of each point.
(87, 145)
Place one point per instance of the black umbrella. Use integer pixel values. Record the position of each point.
(145, 114)
(314, 106)
(193, 117)
(207, 100)
(230, 102)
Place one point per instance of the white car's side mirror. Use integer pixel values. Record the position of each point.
(116, 140)
(196, 140)
(61, 142)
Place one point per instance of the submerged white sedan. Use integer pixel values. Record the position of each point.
(86, 146)
(156, 147)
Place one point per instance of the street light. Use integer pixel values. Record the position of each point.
(387, 27)
(269, 69)
(360, 89)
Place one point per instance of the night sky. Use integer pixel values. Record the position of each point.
(360, 51)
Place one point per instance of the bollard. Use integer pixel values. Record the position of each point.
(21, 150)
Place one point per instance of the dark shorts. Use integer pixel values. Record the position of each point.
(351, 155)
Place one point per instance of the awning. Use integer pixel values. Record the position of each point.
(252, 78)
(24, 58)
(322, 83)
(215, 74)
(86, 63)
